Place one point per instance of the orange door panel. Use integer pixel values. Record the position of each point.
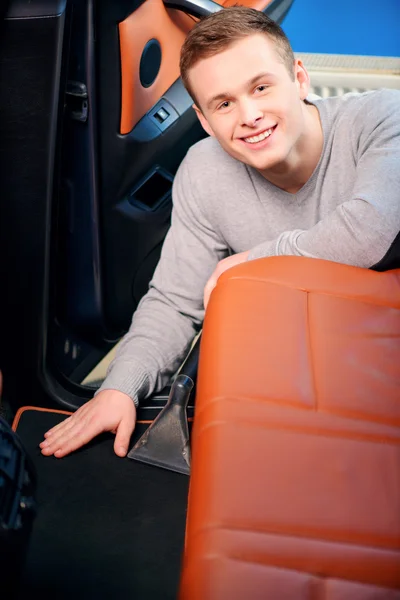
(150, 21)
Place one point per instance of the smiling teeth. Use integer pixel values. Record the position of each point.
(258, 138)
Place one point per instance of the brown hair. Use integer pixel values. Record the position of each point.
(216, 32)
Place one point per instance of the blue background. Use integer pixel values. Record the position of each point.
(344, 26)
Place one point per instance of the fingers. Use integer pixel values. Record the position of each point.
(70, 441)
(61, 427)
(110, 410)
(222, 266)
(210, 285)
(70, 435)
(67, 423)
(123, 436)
(212, 282)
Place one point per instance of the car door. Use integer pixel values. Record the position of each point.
(94, 122)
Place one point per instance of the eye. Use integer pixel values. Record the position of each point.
(261, 88)
(223, 105)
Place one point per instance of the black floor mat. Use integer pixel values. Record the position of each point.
(106, 527)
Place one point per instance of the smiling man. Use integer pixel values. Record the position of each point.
(249, 97)
(278, 175)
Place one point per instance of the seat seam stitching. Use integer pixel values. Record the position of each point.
(308, 536)
(305, 291)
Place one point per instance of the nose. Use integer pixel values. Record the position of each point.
(250, 113)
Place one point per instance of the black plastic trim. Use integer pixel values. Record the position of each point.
(391, 260)
(150, 63)
(156, 170)
(26, 9)
(176, 101)
(278, 9)
(178, 96)
(197, 8)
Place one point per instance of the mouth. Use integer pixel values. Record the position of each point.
(259, 139)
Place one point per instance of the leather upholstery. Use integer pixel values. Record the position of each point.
(295, 485)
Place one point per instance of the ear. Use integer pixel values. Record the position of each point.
(302, 79)
(204, 123)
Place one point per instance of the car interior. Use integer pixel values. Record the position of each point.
(94, 122)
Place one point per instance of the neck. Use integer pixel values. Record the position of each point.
(296, 170)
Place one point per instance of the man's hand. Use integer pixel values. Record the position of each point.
(110, 410)
(221, 267)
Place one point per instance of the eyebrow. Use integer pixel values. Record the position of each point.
(251, 81)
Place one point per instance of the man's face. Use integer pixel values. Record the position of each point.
(250, 102)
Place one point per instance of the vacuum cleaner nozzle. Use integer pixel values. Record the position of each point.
(165, 444)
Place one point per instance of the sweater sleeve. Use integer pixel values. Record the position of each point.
(361, 230)
(172, 311)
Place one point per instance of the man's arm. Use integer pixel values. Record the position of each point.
(162, 328)
(361, 230)
(356, 233)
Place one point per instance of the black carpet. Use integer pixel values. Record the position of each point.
(106, 527)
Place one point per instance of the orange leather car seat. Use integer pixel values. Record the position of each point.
(295, 483)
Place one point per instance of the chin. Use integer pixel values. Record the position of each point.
(266, 160)
(262, 164)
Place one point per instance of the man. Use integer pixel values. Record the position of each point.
(278, 175)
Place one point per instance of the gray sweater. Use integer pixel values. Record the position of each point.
(347, 212)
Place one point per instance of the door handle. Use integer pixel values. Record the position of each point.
(197, 8)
